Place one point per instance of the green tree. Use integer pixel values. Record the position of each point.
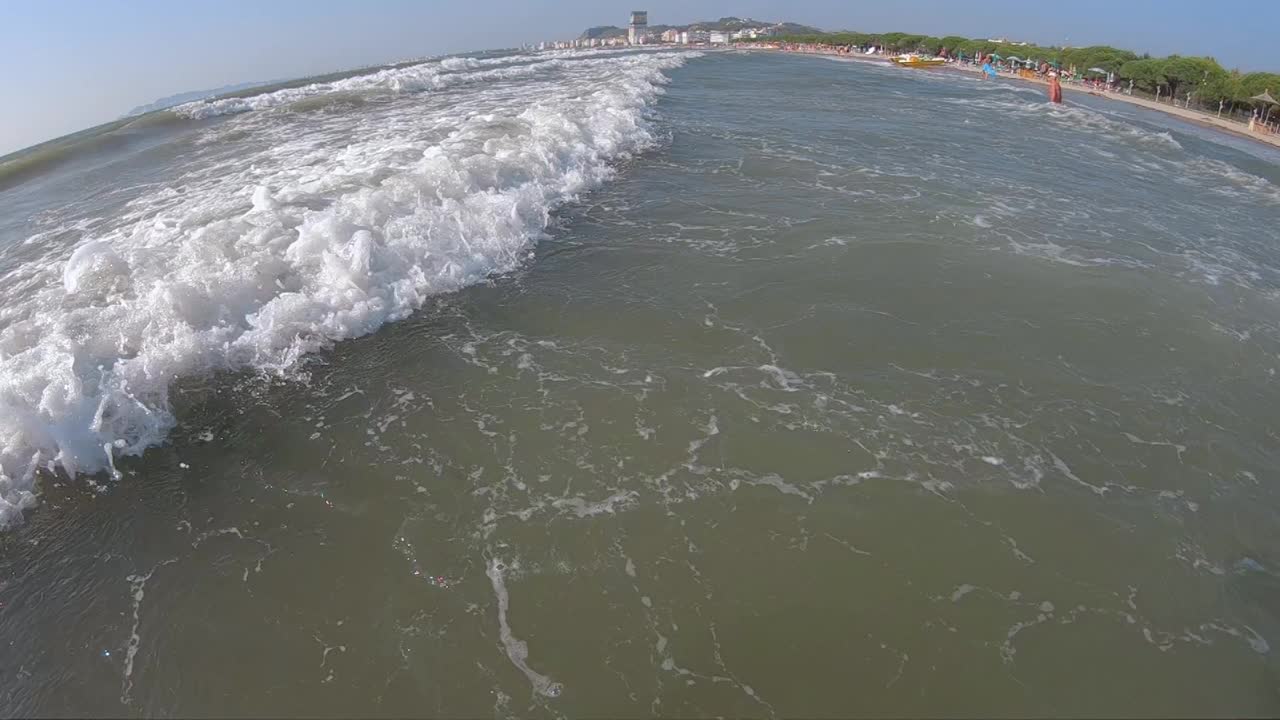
(930, 45)
(1255, 83)
(909, 43)
(953, 43)
(1147, 74)
(1186, 73)
(1226, 86)
(1100, 56)
(892, 41)
(979, 47)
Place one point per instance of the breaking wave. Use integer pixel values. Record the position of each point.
(302, 236)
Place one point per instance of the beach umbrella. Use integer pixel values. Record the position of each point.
(1097, 70)
(1265, 97)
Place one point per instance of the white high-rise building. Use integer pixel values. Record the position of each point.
(638, 28)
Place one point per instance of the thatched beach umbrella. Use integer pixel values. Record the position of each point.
(1265, 98)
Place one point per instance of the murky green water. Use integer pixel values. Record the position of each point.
(864, 393)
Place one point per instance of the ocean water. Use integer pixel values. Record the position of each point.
(617, 384)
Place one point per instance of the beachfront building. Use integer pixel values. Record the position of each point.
(1006, 41)
(751, 33)
(671, 36)
(715, 37)
(638, 28)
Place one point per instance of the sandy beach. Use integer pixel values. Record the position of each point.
(1194, 116)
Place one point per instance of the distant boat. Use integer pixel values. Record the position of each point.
(916, 61)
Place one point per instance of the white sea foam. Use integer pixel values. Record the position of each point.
(425, 76)
(1231, 181)
(517, 649)
(1074, 117)
(306, 234)
(414, 78)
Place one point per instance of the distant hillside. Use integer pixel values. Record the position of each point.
(186, 97)
(724, 24)
(730, 24)
(790, 28)
(603, 32)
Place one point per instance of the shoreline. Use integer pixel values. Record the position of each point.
(1202, 119)
(1199, 118)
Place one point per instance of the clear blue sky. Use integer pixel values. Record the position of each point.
(69, 64)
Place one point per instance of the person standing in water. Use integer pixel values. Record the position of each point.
(1055, 89)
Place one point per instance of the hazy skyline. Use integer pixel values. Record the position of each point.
(75, 64)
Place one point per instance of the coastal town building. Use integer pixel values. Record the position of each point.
(638, 33)
(638, 28)
(1007, 41)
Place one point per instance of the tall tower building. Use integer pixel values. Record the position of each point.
(638, 29)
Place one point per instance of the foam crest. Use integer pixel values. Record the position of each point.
(422, 77)
(325, 232)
